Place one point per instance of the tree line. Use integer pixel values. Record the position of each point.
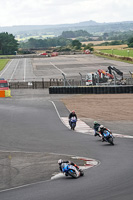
(75, 34)
(8, 44)
(44, 43)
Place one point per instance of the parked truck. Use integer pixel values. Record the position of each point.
(4, 85)
(4, 88)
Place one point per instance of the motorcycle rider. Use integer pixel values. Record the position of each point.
(102, 129)
(72, 114)
(60, 162)
(96, 127)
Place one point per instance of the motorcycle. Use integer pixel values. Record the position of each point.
(72, 171)
(108, 137)
(73, 121)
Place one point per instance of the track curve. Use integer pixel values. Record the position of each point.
(33, 125)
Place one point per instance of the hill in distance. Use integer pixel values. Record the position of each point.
(90, 26)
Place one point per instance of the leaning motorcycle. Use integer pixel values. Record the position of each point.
(108, 137)
(72, 171)
(73, 121)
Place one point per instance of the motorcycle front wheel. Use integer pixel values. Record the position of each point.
(73, 126)
(73, 174)
(110, 140)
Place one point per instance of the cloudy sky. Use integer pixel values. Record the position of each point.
(47, 12)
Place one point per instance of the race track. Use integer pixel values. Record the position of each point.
(31, 124)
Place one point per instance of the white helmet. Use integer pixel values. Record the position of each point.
(101, 126)
(60, 161)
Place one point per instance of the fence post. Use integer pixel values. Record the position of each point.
(18, 84)
(81, 77)
(114, 78)
(33, 87)
(43, 83)
(65, 80)
(97, 78)
(73, 82)
(57, 82)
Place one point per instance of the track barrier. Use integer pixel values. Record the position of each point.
(91, 89)
(5, 93)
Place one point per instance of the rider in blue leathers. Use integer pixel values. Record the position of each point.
(102, 129)
(72, 114)
(60, 161)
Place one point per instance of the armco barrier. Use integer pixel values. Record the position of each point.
(91, 89)
(5, 93)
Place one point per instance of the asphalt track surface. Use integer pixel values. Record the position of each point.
(32, 125)
(18, 70)
(29, 69)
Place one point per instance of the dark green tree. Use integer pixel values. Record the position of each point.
(75, 34)
(68, 34)
(130, 42)
(8, 44)
(46, 43)
(76, 44)
(105, 36)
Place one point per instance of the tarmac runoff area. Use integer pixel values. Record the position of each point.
(18, 169)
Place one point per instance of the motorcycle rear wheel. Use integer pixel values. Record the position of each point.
(81, 172)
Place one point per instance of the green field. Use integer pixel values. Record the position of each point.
(3, 63)
(123, 52)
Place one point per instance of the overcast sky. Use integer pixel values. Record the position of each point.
(47, 12)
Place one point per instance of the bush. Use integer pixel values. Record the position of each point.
(130, 45)
(130, 42)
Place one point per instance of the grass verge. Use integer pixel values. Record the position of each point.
(112, 58)
(123, 52)
(3, 63)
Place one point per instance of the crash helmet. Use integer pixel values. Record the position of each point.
(101, 126)
(73, 112)
(60, 161)
(95, 122)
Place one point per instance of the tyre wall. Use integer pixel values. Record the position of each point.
(91, 90)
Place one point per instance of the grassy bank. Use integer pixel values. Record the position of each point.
(3, 63)
(112, 58)
(123, 52)
(119, 47)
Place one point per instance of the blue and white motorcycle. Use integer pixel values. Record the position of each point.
(72, 171)
(108, 137)
(73, 121)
